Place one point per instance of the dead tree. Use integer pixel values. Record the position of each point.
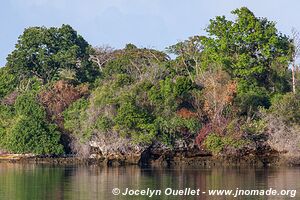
(102, 55)
(296, 54)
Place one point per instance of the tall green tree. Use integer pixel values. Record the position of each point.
(250, 48)
(44, 52)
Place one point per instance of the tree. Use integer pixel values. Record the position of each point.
(43, 52)
(254, 54)
(102, 55)
(249, 48)
(295, 56)
(189, 55)
(8, 81)
(219, 92)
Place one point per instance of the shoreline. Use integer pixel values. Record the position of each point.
(199, 161)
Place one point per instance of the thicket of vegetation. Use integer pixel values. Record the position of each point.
(224, 90)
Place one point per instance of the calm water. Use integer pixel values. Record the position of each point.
(42, 182)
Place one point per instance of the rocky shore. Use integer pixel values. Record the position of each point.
(184, 154)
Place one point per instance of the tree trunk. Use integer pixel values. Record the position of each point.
(293, 77)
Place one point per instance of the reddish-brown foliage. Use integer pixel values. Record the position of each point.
(10, 99)
(59, 97)
(218, 127)
(204, 131)
(231, 89)
(185, 113)
(219, 93)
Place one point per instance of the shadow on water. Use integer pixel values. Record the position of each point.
(19, 181)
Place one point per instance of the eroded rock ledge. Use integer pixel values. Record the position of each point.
(184, 153)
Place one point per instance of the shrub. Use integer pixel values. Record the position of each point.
(75, 119)
(163, 96)
(123, 79)
(250, 97)
(203, 132)
(282, 137)
(183, 85)
(255, 127)
(8, 81)
(283, 123)
(130, 116)
(31, 135)
(214, 143)
(186, 113)
(27, 131)
(29, 84)
(135, 122)
(27, 105)
(286, 107)
(104, 123)
(233, 142)
(6, 121)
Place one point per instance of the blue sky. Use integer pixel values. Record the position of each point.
(146, 23)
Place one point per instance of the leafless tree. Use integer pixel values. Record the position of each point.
(296, 54)
(102, 55)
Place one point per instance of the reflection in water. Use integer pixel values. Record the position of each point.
(18, 182)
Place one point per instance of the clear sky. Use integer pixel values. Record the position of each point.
(146, 23)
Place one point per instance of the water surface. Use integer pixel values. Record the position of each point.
(43, 182)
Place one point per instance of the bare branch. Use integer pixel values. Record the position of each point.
(102, 55)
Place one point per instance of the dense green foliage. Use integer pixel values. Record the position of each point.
(48, 52)
(7, 81)
(286, 107)
(250, 49)
(75, 119)
(141, 108)
(215, 143)
(24, 129)
(223, 90)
